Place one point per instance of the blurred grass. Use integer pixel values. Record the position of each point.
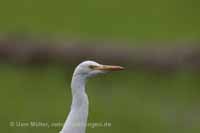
(130, 20)
(133, 100)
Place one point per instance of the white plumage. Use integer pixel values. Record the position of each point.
(76, 121)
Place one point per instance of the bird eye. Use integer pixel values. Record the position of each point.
(92, 67)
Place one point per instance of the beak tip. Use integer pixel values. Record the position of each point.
(121, 68)
(117, 68)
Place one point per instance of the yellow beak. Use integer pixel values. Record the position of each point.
(109, 68)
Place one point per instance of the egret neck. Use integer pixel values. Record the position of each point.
(77, 119)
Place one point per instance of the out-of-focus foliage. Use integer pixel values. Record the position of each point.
(133, 100)
(135, 20)
(138, 101)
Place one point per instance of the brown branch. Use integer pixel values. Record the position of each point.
(168, 58)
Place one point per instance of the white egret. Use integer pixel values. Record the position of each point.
(76, 121)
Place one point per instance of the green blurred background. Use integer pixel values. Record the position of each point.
(132, 20)
(134, 100)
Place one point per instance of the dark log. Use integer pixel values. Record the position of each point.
(151, 57)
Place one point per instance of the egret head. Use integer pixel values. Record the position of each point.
(91, 68)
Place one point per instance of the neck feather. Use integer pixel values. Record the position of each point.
(77, 119)
(78, 84)
(79, 96)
